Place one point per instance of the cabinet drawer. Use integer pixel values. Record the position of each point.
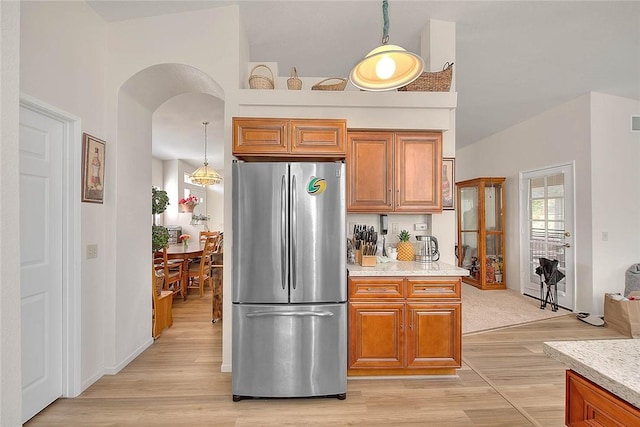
(383, 287)
(433, 288)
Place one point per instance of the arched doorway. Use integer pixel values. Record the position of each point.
(129, 246)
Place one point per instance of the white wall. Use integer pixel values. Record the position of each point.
(67, 40)
(560, 135)
(64, 51)
(615, 183)
(10, 361)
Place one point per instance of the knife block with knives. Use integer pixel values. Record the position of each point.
(365, 241)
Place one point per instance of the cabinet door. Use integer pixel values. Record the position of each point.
(434, 335)
(376, 335)
(319, 138)
(418, 184)
(260, 137)
(370, 172)
(588, 404)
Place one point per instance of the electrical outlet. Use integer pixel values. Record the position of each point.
(92, 251)
(420, 227)
(394, 228)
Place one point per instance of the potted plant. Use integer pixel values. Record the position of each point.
(159, 233)
(405, 248)
(159, 237)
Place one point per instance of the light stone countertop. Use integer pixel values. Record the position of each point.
(612, 364)
(407, 268)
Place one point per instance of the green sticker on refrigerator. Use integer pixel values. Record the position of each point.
(316, 186)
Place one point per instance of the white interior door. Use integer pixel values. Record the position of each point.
(41, 249)
(548, 230)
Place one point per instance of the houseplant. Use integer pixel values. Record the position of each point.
(159, 233)
(187, 204)
(405, 248)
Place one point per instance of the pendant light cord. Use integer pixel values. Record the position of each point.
(205, 143)
(385, 17)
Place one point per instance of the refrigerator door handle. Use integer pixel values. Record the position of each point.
(290, 314)
(294, 230)
(283, 231)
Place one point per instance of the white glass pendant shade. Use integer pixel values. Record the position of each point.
(204, 175)
(386, 67)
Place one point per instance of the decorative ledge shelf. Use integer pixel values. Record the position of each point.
(347, 98)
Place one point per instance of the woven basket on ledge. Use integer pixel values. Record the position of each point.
(257, 81)
(323, 85)
(439, 81)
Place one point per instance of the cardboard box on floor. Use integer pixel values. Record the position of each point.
(623, 316)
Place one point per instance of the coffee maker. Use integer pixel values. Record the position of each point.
(426, 249)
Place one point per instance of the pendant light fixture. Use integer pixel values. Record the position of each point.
(204, 175)
(388, 66)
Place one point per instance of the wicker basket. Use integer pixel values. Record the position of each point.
(323, 85)
(439, 81)
(257, 81)
(294, 83)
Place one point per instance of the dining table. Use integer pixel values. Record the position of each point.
(185, 253)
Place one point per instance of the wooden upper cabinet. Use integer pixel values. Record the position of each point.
(260, 136)
(394, 172)
(418, 172)
(370, 172)
(274, 137)
(318, 137)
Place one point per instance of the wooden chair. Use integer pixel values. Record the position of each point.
(162, 303)
(172, 272)
(205, 234)
(201, 272)
(217, 264)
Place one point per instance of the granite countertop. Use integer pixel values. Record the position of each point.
(612, 364)
(407, 268)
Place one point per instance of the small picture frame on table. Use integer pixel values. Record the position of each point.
(92, 169)
(448, 184)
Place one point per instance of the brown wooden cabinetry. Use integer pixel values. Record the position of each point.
(394, 171)
(588, 404)
(255, 138)
(404, 325)
(481, 237)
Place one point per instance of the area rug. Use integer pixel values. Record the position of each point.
(486, 310)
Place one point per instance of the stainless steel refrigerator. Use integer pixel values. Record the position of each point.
(289, 280)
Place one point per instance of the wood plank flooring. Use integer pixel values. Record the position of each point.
(506, 380)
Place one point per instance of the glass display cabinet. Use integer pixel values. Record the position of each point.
(481, 241)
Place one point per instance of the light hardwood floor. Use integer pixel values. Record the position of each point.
(506, 380)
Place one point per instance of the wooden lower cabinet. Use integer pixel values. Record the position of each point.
(588, 404)
(404, 326)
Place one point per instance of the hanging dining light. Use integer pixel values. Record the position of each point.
(388, 66)
(204, 175)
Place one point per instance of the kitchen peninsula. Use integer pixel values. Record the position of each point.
(602, 384)
(405, 318)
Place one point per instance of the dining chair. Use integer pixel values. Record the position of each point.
(172, 270)
(217, 264)
(162, 300)
(201, 272)
(205, 234)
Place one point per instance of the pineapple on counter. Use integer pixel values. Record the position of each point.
(405, 248)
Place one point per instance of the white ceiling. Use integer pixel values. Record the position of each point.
(514, 59)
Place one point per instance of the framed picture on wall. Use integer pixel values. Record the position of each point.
(92, 169)
(448, 183)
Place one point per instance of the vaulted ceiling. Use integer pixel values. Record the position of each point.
(514, 59)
